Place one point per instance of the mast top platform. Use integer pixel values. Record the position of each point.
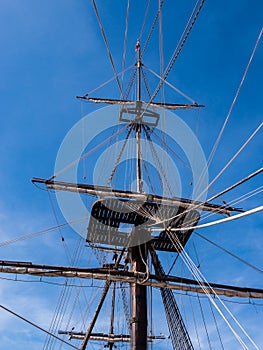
(110, 217)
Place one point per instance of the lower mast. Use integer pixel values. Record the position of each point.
(138, 254)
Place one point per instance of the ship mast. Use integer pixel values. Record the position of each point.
(138, 254)
(137, 121)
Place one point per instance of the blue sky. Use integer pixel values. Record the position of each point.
(52, 51)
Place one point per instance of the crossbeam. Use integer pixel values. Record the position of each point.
(103, 191)
(171, 106)
(110, 338)
(155, 281)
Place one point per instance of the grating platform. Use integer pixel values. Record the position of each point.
(113, 220)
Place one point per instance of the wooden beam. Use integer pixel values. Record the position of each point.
(171, 106)
(172, 282)
(103, 191)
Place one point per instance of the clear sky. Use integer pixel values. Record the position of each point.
(52, 51)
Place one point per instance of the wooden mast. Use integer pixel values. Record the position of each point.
(138, 254)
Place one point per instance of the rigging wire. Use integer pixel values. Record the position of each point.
(125, 305)
(38, 233)
(204, 323)
(76, 161)
(200, 278)
(152, 28)
(65, 293)
(228, 252)
(237, 200)
(234, 100)
(72, 310)
(125, 39)
(161, 52)
(195, 324)
(88, 304)
(210, 158)
(180, 92)
(189, 26)
(212, 311)
(36, 326)
(107, 45)
(232, 159)
(55, 317)
(67, 252)
(148, 177)
(217, 222)
(147, 87)
(78, 253)
(145, 18)
(131, 82)
(179, 47)
(133, 75)
(215, 321)
(257, 172)
(216, 178)
(63, 306)
(129, 130)
(108, 81)
(64, 297)
(171, 150)
(157, 161)
(199, 301)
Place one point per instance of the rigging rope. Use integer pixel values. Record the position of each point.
(37, 233)
(198, 6)
(195, 324)
(125, 305)
(199, 299)
(146, 82)
(152, 28)
(131, 81)
(234, 101)
(236, 184)
(200, 278)
(179, 335)
(204, 323)
(144, 20)
(161, 52)
(109, 81)
(67, 252)
(237, 201)
(48, 341)
(170, 85)
(228, 252)
(125, 39)
(64, 299)
(157, 161)
(217, 328)
(216, 222)
(107, 45)
(36, 326)
(220, 173)
(130, 128)
(76, 161)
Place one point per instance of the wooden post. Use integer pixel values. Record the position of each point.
(138, 256)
